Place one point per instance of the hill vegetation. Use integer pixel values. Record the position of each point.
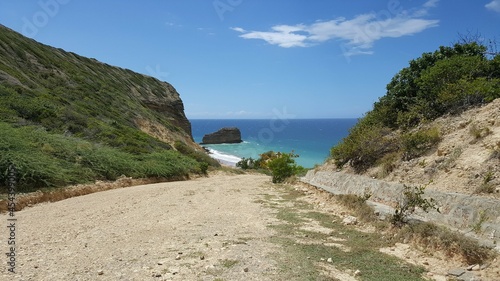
(445, 82)
(67, 119)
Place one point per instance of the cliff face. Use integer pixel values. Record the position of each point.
(168, 103)
(67, 93)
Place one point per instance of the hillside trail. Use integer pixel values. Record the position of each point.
(211, 228)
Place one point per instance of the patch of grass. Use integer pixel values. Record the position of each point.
(483, 216)
(292, 194)
(46, 160)
(451, 159)
(231, 170)
(429, 235)
(478, 133)
(486, 186)
(290, 215)
(58, 194)
(358, 206)
(452, 243)
(301, 259)
(388, 163)
(228, 263)
(416, 143)
(234, 242)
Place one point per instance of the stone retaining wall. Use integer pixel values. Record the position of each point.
(458, 211)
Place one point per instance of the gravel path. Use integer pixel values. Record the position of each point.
(201, 229)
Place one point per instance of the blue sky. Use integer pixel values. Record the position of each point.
(258, 58)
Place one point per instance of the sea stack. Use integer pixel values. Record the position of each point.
(224, 135)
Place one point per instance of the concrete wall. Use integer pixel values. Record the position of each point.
(458, 211)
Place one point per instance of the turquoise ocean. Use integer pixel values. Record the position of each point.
(311, 139)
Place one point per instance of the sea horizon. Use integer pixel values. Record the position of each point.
(310, 138)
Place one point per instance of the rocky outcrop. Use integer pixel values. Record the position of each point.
(224, 135)
(166, 101)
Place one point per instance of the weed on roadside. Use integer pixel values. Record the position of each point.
(438, 238)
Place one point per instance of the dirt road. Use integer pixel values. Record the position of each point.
(201, 229)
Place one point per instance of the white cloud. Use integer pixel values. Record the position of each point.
(239, 29)
(282, 37)
(431, 3)
(494, 6)
(358, 34)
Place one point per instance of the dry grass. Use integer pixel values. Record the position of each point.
(453, 244)
(424, 234)
(388, 163)
(486, 186)
(478, 132)
(57, 194)
(358, 206)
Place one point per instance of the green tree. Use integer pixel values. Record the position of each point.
(404, 88)
(434, 80)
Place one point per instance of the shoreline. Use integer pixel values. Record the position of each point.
(223, 158)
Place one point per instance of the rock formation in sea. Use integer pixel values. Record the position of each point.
(224, 135)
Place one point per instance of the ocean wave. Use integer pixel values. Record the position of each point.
(223, 158)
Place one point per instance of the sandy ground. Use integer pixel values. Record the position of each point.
(201, 229)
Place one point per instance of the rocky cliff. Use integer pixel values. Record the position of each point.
(224, 135)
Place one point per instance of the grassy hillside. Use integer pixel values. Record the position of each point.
(445, 82)
(68, 119)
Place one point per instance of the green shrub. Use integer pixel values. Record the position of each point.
(201, 157)
(412, 199)
(247, 163)
(487, 186)
(166, 164)
(414, 144)
(283, 166)
(43, 160)
(365, 144)
(464, 93)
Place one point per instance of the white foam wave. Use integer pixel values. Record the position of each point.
(223, 158)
